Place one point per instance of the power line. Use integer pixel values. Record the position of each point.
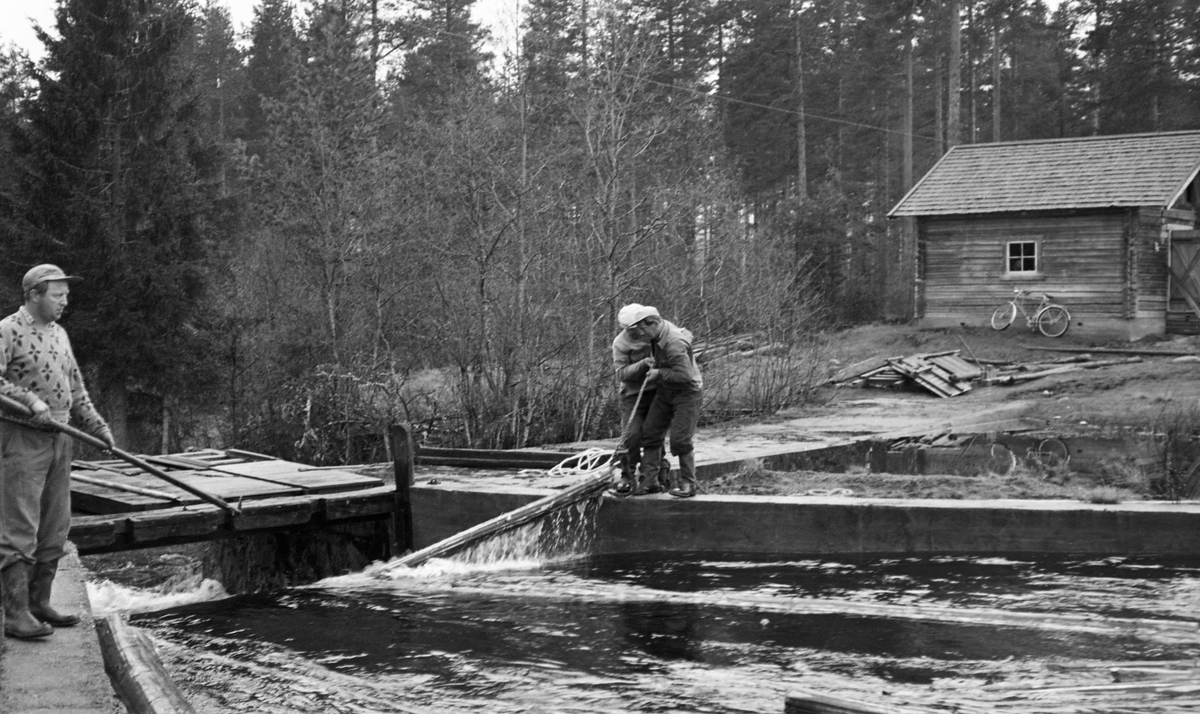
(735, 100)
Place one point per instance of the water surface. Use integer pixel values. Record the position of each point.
(703, 633)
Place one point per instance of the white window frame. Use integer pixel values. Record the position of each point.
(1011, 274)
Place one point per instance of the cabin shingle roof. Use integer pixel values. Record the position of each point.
(1093, 172)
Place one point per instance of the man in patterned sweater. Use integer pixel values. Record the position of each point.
(38, 369)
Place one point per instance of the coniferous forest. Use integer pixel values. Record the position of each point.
(357, 213)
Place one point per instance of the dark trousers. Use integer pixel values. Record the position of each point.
(676, 410)
(632, 430)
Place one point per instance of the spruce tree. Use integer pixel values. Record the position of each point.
(269, 65)
(112, 168)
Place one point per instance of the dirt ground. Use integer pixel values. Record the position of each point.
(1156, 399)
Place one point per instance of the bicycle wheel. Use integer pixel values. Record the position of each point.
(1054, 321)
(1001, 461)
(1004, 316)
(1053, 453)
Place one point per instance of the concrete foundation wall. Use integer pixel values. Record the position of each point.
(831, 526)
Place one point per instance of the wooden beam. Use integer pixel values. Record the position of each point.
(803, 701)
(512, 519)
(125, 487)
(490, 458)
(404, 460)
(202, 522)
(137, 673)
(1116, 351)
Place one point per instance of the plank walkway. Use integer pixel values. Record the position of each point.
(110, 487)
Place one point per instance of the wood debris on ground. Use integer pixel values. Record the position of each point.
(737, 346)
(949, 373)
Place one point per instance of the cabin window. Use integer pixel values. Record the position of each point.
(1022, 257)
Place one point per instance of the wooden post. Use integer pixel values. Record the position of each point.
(404, 458)
(877, 457)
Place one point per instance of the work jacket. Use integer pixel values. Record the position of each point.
(673, 357)
(627, 362)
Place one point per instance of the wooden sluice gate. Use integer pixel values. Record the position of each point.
(122, 508)
(291, 523)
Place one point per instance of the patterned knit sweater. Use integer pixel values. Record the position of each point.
(36, 361)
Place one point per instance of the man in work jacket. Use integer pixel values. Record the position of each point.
(38, 369)
(631, 362)
(679, 389)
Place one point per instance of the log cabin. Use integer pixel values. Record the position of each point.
(1104, 224)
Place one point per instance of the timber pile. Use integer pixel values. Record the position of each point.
(737, 346)
(949, 374)
(945, 374)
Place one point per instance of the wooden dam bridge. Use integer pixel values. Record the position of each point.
(120, 507)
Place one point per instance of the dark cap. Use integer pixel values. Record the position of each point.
(45, 271)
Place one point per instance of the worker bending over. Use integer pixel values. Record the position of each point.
(631, 362)
(678, 390)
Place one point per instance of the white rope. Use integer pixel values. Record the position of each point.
(584, 462)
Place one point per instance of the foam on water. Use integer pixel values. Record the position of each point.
(432, 569)
(560, 536)
(108, 597)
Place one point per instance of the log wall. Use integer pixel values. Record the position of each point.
(1084, 262)
(1109, 267)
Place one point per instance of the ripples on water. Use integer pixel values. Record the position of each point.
(702, 634)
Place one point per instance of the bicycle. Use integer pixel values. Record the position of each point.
(1050, 319)
(1051, 458)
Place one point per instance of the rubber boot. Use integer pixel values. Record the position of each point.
(652, 483)
(664, 475)
(624, 485)
(40, 583)
(685, 482)
(18, 621)
(648, 472)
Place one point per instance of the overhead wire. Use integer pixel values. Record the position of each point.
(732, 100)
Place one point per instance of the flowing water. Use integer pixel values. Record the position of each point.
(563, 632)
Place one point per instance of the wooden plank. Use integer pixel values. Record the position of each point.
(151, 493)
(804, 701)
(960, 370)
(203, 522)
(90, 498)
(274, 514)
(248, 455)
(485, 463)
(175, 525)
(115, 487)
(93, 499)
(356, 505)
(930, 376)
(1116, 351)
(490, 458)
(316, 480)
(176, 461)
(858, 369)
(96, 534)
